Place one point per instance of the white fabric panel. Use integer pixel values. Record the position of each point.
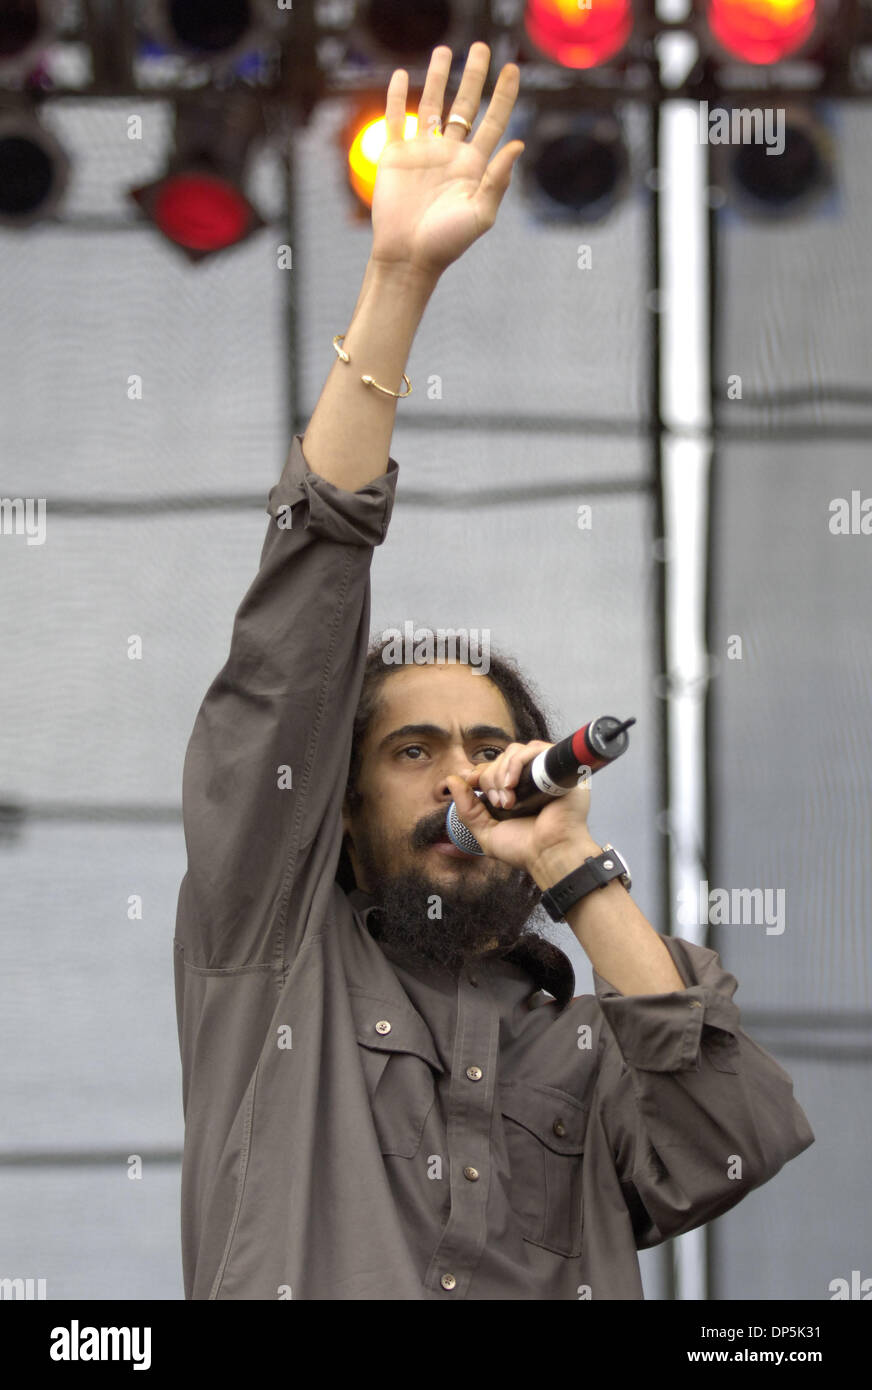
(810, 1224)
(791, 732)
(795, 298)
(94, 1233)
(88, 1024)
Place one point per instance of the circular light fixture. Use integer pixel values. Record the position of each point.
(34, 170)
(199, 203)
(576, 166)
(19, 28)
(785, 185)
(367, 142)
(577, 36)
(214, 31)
(201, 211)
(762, 31)
(408, 28)
(204, 27)
(26, 28)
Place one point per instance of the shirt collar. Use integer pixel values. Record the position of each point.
(544, 962)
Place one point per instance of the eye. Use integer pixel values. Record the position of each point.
(488, 748)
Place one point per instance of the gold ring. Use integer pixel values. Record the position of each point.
(460, 120)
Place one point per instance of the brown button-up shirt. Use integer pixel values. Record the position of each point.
(354, 1130)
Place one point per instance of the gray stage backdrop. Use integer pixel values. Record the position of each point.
(790, 746)
(155, 522)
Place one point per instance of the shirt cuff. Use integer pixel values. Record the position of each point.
(353, 518)
(664, 1032)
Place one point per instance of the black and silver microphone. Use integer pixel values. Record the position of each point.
(553, 772)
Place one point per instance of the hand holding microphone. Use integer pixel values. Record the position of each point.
(546, 781)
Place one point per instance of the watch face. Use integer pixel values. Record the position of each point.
(626, 877)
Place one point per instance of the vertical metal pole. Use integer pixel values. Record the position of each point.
(291, 304)
(655, 438)
(711, 825)
(686, 382)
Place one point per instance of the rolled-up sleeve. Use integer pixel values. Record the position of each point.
(267, 760)
(695, 1112)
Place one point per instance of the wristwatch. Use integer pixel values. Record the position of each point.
(595, 872)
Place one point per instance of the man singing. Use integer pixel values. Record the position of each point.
(389, 1090)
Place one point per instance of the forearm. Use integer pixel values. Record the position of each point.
(348, 437)
(618, 939)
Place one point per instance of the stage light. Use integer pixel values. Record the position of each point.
(210, 29)
(786, 185)
(575, 167)
(365, 140)
(407, 31)
(199, 204)
(577, 36)
(199, 211)
(34, 170)
(26, 27)
(762, 31)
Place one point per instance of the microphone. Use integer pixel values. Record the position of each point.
(553, 772)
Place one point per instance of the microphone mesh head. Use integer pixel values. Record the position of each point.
(458, 833)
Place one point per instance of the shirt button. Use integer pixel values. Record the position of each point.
(559, 1128)
(471, 1173)
(448, 1281)
(473, 980)
(382, 1026)
(474, 1073)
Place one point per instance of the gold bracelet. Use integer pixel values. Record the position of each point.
(368, 380)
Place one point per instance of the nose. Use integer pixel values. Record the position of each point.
(462, 770)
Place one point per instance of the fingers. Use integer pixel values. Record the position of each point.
(433, 95)
(471, 813)
(395, 105)
(462, 792)
(495, 180)
(496, 118)
(468, 97)
(497, 778)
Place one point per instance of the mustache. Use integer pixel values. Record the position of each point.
(430, 830)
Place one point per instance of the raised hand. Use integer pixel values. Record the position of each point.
(436, 194)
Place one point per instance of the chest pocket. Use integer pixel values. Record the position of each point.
(544, 1131)
(401, 1067)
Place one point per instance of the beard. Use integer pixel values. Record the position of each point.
(470, 919)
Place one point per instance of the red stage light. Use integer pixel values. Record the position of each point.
(578, 36)
(762, 31)
(201, 212)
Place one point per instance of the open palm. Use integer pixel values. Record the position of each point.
(436, 194)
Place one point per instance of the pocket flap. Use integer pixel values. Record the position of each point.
(554, 1117)
(387, 1025)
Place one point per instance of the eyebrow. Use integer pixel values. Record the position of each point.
(434, 731)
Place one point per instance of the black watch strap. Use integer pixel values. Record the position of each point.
(595, 872)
